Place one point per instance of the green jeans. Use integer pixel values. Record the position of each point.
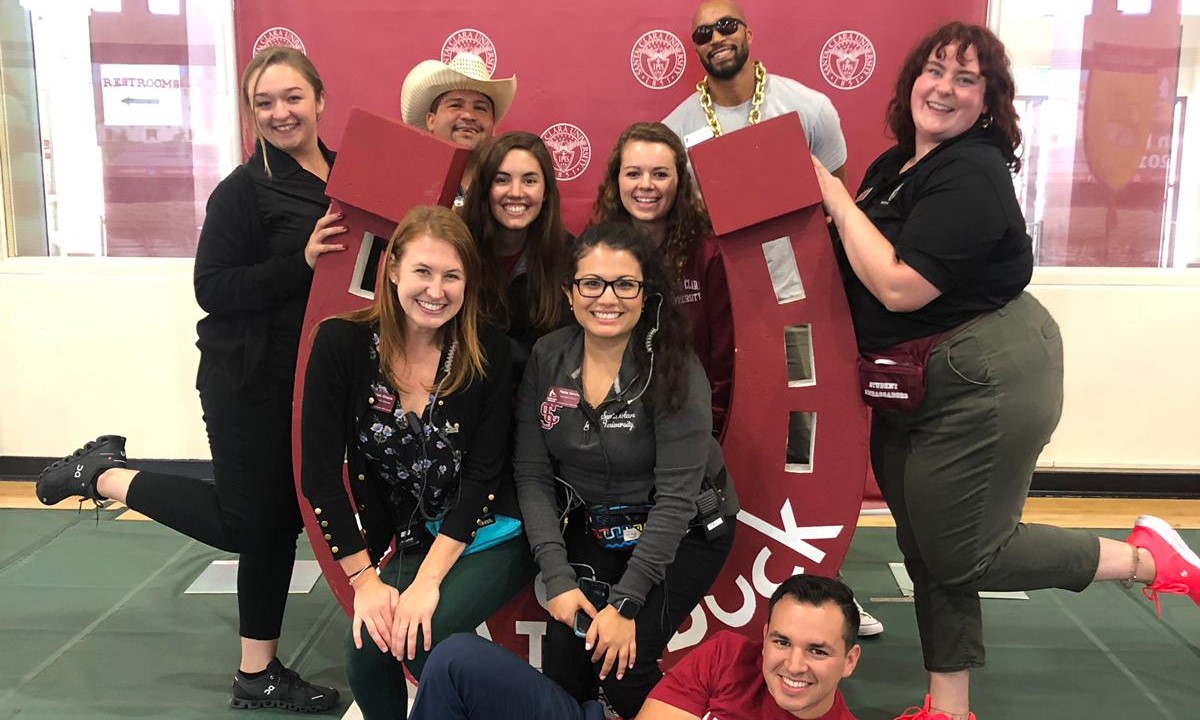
(477, 586)
(956, 473)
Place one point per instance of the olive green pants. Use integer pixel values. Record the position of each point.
(477, 586)
(955, 475)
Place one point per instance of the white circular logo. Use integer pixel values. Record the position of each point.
(470, 40)
(569, 148)
(848, 59)
(278, 37)
(658, 59)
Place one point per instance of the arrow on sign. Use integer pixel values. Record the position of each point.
(139, 101)
(791, 534)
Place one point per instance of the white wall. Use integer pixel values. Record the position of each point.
(107, 345)
(99, 345)
(1132, 344)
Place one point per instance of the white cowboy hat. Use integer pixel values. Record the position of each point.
(466, 71)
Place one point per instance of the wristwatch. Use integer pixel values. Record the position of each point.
(627, 608)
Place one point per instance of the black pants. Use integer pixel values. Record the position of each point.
(695, 568)
(251, 507)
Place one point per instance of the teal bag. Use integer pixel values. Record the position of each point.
(501, 528)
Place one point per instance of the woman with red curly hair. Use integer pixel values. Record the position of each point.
(936, 258)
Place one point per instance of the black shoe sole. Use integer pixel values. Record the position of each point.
(243, 704)
(106, 451)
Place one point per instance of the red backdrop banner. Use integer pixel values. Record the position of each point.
(586, 71)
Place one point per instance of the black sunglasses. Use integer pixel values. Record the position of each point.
(726, 26)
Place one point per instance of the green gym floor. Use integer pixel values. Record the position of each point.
(95, 625)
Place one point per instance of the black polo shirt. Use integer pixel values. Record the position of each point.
(954, 218)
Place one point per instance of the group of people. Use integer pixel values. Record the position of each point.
(515, 398)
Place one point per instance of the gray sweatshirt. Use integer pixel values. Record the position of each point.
(619, 452)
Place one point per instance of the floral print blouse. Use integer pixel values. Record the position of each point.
(413, 454)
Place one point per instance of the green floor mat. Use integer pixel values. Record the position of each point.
(95, 625)
(1093, 655)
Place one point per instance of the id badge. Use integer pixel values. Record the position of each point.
(696, 137)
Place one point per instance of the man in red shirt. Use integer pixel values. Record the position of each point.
(808, 647)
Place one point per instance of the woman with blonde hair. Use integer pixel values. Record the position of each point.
(266, 225)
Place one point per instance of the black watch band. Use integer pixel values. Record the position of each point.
(627, 608)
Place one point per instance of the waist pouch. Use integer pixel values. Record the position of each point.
(893, 378)
(496, 529)
(617, 527)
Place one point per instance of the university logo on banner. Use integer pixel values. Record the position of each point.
(278, 37)
(569, 148)
(658, 59)
(470, 40)
(848, 59)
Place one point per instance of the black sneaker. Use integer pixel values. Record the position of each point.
(280, 687)
(75, 475)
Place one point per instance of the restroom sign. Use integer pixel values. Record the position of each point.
(142, 95)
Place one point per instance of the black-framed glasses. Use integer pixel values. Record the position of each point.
(726, 26)
(593, 287)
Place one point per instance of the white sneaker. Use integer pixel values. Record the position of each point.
(868, 624)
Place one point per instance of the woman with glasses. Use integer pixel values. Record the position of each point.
(623, 488)
(647, 184)
(415, 392)
(513, 212)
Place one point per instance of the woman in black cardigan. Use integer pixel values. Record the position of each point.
(415, 393)
(253, 272)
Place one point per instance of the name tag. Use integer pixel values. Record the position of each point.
(697, 137)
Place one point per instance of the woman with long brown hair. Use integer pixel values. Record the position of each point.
(647, 184)
(415, 392)
(514, 212)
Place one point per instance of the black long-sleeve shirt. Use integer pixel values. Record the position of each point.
(251, 276)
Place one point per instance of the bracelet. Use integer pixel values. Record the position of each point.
(354, 576)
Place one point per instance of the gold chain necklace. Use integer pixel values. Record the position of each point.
(756, 101)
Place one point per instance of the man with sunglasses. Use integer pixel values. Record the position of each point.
(737, 92)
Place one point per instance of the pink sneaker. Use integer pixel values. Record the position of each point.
(922, 713)
(1177, 567)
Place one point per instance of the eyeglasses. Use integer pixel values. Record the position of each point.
(594, 287)
(726, 26)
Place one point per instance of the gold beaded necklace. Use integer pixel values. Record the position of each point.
(756, 101)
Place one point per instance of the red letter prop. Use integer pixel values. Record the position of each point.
(384, 169)
(796, 435)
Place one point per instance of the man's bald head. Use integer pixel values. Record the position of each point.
(710, 11)
(723, 56)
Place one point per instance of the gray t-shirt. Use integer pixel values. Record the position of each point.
(782, 96)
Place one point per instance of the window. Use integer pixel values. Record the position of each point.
(1110, 146)
(123, 130)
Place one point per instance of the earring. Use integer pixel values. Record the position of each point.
(985, 120)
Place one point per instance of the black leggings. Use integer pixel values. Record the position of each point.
(695, 568)
(249, 509)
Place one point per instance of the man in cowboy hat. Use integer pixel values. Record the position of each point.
(457, 101)
(736, 92)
